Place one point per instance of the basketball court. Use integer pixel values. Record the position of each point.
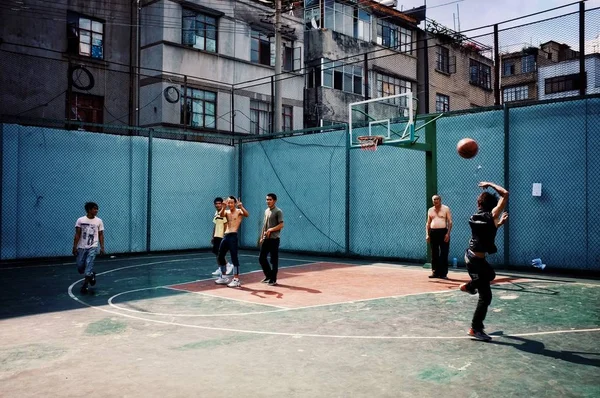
(158, 325)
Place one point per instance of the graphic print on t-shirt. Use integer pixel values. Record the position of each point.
(88, 232)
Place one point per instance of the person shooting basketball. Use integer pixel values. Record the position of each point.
(484, 224)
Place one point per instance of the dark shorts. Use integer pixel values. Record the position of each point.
(216, 244)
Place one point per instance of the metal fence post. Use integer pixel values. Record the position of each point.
(506, 180)
(497, 66)
(149, 193)
(347, 207)
(582, 75)
(430, 170)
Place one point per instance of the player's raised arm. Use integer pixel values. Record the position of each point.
(497, 211)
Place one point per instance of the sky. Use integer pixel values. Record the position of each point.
(477, 13)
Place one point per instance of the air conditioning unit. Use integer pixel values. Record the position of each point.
(389, 3)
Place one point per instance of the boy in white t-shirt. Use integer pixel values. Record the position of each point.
(87, 243)
(218, 232)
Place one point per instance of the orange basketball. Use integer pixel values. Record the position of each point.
(467, 148)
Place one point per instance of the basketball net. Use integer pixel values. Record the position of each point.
(369, 142)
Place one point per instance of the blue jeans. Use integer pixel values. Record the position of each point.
(229, 243)
(85, 260)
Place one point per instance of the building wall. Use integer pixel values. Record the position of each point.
(37, 72)
(462, 93)
(592, 68)
(529, 79)
(332, 104)
(225, 72)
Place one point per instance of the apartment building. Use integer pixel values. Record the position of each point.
(67, 61)
(208, 66)
(519, 70)
(455, 73)
(563, 79)
(355, 51)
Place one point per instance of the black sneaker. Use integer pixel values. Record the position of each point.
(465, 288)
(266, 280)
(433, 276)
(479, 335)
(272, 283)
(84, 288)
(93, 279)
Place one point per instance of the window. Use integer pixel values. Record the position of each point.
(260, 117)
(288, 58)
(480, 74)
(85, 36)
(445, 63)
(389, 85)
(509, 68)
(337, 75)
(515, 93)
(387, 34)
(528, 64)
(362, 25)
(312, 11)
(261, 50)
(393, 36)
(198, 108)
(86, 108)
(199, 31)
(563, 83)
(291, 57)
(442, 103)
(348, 19)
(287, 118)
(406, 44)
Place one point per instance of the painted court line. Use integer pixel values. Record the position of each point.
(297, 335)
(110, 302)
(278, 308)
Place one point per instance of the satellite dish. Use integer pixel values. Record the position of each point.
(314, 24)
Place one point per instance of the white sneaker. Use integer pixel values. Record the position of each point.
(222, 281)
(229, 269)
(217, 272)
(235, 283)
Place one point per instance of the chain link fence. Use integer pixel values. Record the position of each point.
(165, 144)
(154, 192)
(381, 208)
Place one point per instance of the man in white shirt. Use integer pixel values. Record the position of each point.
(87, 243)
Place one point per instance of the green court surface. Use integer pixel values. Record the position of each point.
(157, 326)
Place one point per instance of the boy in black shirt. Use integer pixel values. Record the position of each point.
(484, 225)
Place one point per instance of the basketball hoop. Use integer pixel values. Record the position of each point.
(369, 142)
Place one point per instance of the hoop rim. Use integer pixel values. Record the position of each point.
(374, 139)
